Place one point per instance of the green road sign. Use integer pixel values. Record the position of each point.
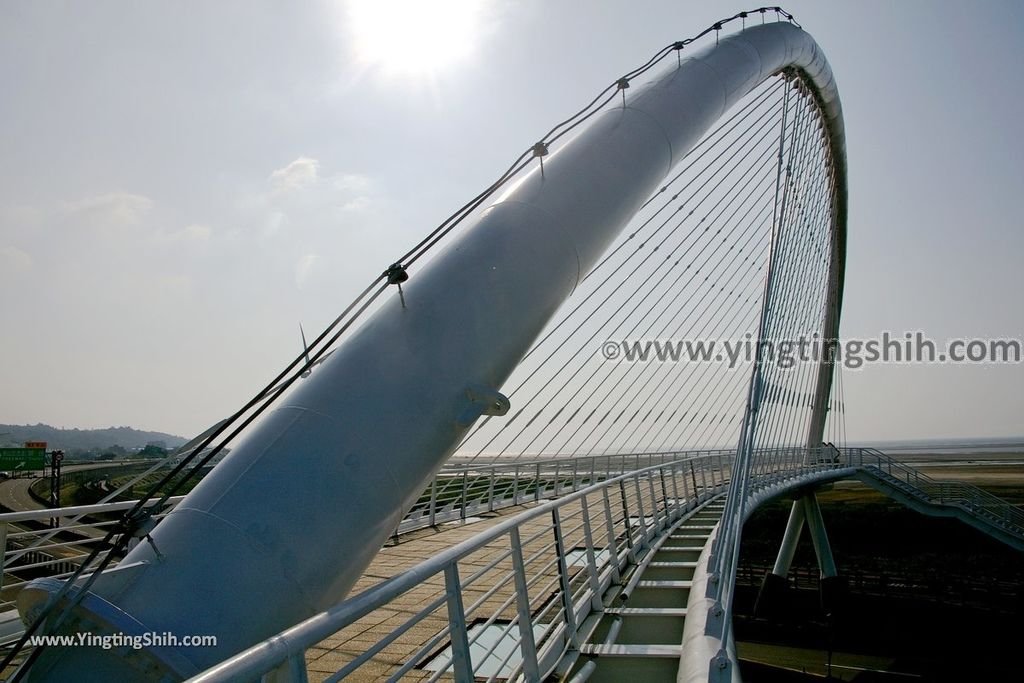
(21, 459)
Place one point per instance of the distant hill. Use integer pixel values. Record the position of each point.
(86, 439)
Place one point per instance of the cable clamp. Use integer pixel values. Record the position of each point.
(483, 400)
(396, 275)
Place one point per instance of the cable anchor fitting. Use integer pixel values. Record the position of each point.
(540, 150)
(622, 84)
(396, 275)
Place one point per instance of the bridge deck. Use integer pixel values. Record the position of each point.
(346, 645)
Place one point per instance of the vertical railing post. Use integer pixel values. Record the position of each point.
(527, 643)
(640, 511)
(629, 525)
(462, 665)
(693, 478)
(433, 501)
(490, 490)
(3, 551)
(563, 578)
(594, 577)
(613, 549)
(536, 485)
(296, 666)
(655, 519)
(675, 488)
(515, 487)
(664, 492)
(465, 491)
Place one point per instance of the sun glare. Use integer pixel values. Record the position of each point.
(413, 37)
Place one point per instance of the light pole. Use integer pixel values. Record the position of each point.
(56, 457)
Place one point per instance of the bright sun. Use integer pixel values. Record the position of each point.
(413, 37)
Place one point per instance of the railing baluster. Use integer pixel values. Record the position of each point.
(536, 486)
(433, 501)
(563, 579)
(613, 548)
(642, 515)
(594, 577)
(629, 525)
(527, 643)
(462, 507)
(515, 487)
(675, 489)
(3, 551)
(490, 490)
(462, 665)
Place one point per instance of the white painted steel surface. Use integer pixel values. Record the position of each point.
(254, 548)
(779, 473)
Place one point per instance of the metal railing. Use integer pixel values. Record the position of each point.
(507, 602)
(459, 491)
(971, 498)
(32, 548)
(767, 468)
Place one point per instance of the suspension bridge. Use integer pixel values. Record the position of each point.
(502, 362)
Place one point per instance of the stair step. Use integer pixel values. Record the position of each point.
(673, 565)
(647, 611)
(644, 650)
(665, 584)
(700, 536)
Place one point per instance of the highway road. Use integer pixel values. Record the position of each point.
(14, 494)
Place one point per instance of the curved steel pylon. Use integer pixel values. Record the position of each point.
(405, 389)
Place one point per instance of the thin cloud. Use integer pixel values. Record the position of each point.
(301, 173)
(14, 260)
(195, 232)
(120, 208)
(304, 268)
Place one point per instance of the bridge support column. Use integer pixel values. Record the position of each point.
(819, 537)
(773, 588)
(833, 586)
(772, 595)
(787, 549)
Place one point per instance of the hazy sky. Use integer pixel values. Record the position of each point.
(182, 183)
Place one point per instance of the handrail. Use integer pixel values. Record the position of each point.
(292, 642)
(629, 535)
(965, 495)
(73, 510)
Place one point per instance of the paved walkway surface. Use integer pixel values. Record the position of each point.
(345, 646)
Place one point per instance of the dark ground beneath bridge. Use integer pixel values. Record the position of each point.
(929, 599)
